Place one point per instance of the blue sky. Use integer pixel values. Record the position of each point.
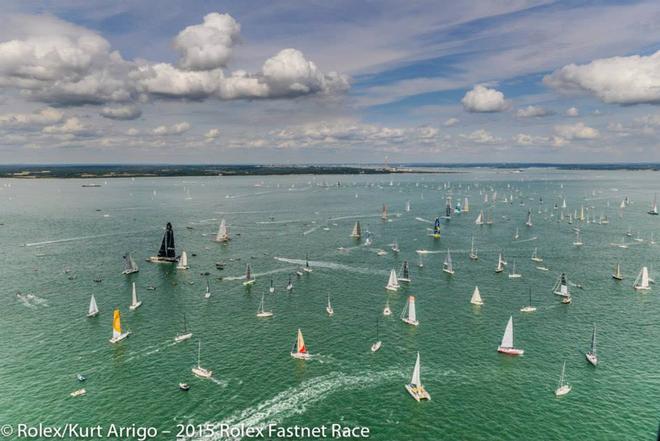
(314, 81)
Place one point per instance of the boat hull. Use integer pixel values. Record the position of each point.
(156, 259)
(248, 282)
(182, 337)
(264, 314)
(528, 309)
(119, 338)
(592, 358)
(376, 346)
(418, 393)
(411, 322)
(476, 303)
(300, 355)
(130, 271)
(136, 306)
(94, 314)
(510, 351)
(561, 391)
(201, 372)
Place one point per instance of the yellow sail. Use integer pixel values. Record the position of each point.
(116, 324)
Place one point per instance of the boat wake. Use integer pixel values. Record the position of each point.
(332, 265)
(311, 230)
(527, 240)
(267, 273)
(296, 400)
(31, 301)
(421, 219)
(429, 251)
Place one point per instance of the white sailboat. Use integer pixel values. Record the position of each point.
(476, 297)
(249, 278)
(395, 247)
(578, 241)
(617, 273)
(271, 289)
(299, 350)
(516, 235)
(473, 251)
(393, 282)
(447, 265)
(117, 334)
(261, 312)
(529, 308)
(185, 334)
(329, 308)
(513, 274)
(642, 280)
(563, 388)
(409, 314)
(377, 344)
(198, 370)
(592, 357)
(561, 286)
(405, 273)
(183, 261)
(500, 264)
(130, 266)
(207, 293)
(407, 206)
(223, 232)
(654, 206)
(415, 387)
(307, 268)
(135, 303)
(480, 218)
(529, 218)
(357, 231)
(506, 346)
(93, 310)
(289, 285)
(535, 256)
(420, 261)
(466, 205)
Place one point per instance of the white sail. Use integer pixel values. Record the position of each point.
(135, 303)
(642, 281)
(223, 232)
(416, 379)
(183, 261)
(507, 338)
(476, 297)
(412, 313)
(93, 308)
(357, 231)
(448, 267)
(480, 218)
(393, 282)
(466, 205)
(407, 205)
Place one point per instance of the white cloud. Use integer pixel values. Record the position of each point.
(212, 134)
(174, 129)
(71, 126)
(132, 131)
(41, 117)
(208, 45)
(532, 112)
(451, 122)
(481, 136)
(526, 139)
(576, 131)
(616, 80)
(572, 111)
(121, 113)
(484, 99)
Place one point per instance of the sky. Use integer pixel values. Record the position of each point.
(347, 81)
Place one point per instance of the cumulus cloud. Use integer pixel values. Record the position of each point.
(532, 112)
(573, 111)
(576, 131)
(70, 126)
(174, 129)
(212, 134)
(484, 99)
(526, 139)
(616, 80)
(41, 117)
(481, 136)
(208, 45)
(451, 122)
(54, 61)
(121, 113)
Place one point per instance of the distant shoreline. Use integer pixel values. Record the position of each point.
(108, 171)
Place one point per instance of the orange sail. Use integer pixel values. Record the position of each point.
(301, 343)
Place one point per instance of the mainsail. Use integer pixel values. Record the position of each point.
(93, 308)
(357, 230)
(223, 232)
(167, 250)
(507, 338)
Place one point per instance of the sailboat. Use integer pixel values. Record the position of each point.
(207, 293)
(489, 220)
(591, 355)
(383, 214)
(473, 251)
(447, 265)
(183, 261)
(420, 262)
(167, 250)
(561, 287)
(529, 218)
(307, 268)
(476, 297)
(466, 205)
(93, 309)
(407, 206)
(448, 209)
(578, 241)
(436, 228)
(130, 266)
(368, 240)
(261, 312)
(513, 274)
(223, 232)
(409, 314)
(506, 347)
(135, 303)
(617, 273)
(395, 246)
(500, 264)
(529, 308)
(329, 308)
(393, 282)
(199, 370)
(377, 344)
(186, 334)
(480, 218)
(357, 231)
(516, 235)
(299, 350)
(405, 273)
(289, 285)
(642, 280)
(535, 256)
(271, 289)
(117, 335)
(249, 278)
(563, 388)
(386, 310)
(415, 388)
(654, 207)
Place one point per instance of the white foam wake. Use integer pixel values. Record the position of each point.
(332, 265)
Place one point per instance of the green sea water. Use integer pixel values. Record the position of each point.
(477, 394)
